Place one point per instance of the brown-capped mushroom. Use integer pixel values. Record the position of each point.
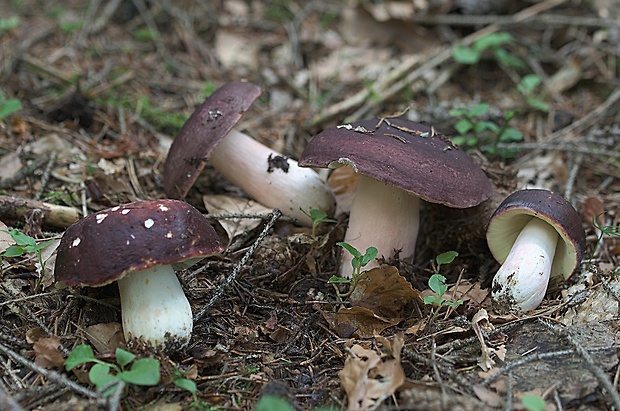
(399, 162)
(263, 173)
(536, 235)
(139, 245)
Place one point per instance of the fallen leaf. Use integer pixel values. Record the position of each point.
(105, 336)
(359, 322)
(5, 238)
(47, 354)
(479, 322)
(225, 204)
(369, 377)
(10, 164)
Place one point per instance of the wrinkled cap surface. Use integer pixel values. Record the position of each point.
(519, 208)
(105, 246)
(202, 132)
(404, 154)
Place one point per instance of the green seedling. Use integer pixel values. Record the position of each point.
(143, 371)
(437, 283)
(358, 262)
(475, 131)
(495, 42)
(317, 217)
(9, 23)
(533, 402)
(529, 87)
(24, 244)
(8, 106)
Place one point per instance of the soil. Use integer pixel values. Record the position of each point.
(103, 89)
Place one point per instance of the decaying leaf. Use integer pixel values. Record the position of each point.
(369, 377)
(5, 238)
(47, 354)
(235, 205)
(377, 303)
(478, 322)
(105, 336)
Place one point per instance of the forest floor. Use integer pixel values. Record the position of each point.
(93, 94)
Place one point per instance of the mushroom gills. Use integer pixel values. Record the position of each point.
(521, 282)
(154, 307)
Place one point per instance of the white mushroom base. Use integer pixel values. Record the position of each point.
(521, 282)
(384, 217)
(155, 309)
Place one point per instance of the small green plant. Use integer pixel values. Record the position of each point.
(475, 131)
(269, 402)
(496, 42)
(143, 371)
(24, 244)
(317, 217)
(144, 35)
(9, 23)
(358, 262)
(529, 86)
(437, 283)
(8, 106)
(533, 402)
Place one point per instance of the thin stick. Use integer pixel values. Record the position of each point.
(49, 374)
(235, 272)
(46, 175)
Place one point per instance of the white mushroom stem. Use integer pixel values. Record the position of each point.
(521, 282)
(154, 307)
(244, 161)
(384, 217)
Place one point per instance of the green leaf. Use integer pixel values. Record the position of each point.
(432, 299)
(533, 402)
(14, 251)
(369, 255)
(334, 279)
(453, 304)
(9, 23)
(538, 104)
(510, 134)
(508, 59)
(124, 357)
(99, 375)
(465, 55)
(528, 84)
(81, 354)
(446, 258)
(186, 384)
(144, 371)
(354, 252)
(21, 238)
(9, 107)
(479, 109)
(492, 40)
(437, 283)
(463, 126)
(273, 403)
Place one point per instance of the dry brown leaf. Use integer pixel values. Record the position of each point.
(487, 396)
(47, 354)
(105, 336)
(359, 322)
(418, 327)
(235, 205)
(5, 238)
(10, 164)
(35, 334)
(369, 377)
(478, 322)
(467, 292)
(48, 255)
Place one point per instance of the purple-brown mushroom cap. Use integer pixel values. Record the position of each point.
(518, 209)
(405, 154)
(103, 247)
(202, 132)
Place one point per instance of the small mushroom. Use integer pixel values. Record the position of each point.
(139, 245)
(264, 174)
(399, 162)
(536, 235)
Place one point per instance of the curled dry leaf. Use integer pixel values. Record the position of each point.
(105, 336)
(478, 322)
(47, 354)
(377, 302)
(369, 377)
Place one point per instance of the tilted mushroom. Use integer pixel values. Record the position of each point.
(399, 162)
(263, 173)
(139, 245)
(536, 235)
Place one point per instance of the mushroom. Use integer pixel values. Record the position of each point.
(536, 235)
(139, 245)
(399, 162)
(264, 174)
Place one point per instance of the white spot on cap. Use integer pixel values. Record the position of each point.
(133, 237)
(343, 161)
(149, 223)
(100, 218)
(125, 211)
(347, 126)
(163, 207)
(169, 234)
(115, 208)
(76, 242)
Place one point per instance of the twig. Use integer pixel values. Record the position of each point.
(49, 374)
(23, 173)
(437, 375)
(235, 272)
(46, 175)
(572, 175)
(542, 21)
(600, 375)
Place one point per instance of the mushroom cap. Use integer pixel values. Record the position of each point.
(202, 132)
(519, 208)
(404, 154)
(105, 246)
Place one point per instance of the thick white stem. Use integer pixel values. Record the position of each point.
(384, 217)
(245, 162)
(154, 308)
(521, 282)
